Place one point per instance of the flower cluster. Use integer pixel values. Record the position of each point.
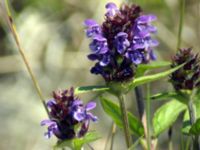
(187, 77)
(67, 114)
(122, 41)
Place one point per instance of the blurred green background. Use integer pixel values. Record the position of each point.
(52, 35)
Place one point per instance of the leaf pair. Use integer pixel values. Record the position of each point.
(141, 69)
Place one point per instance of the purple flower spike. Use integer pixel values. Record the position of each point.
(99, 45)
(122, 42)
(66, 112)
(111, 9)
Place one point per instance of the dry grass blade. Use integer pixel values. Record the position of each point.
(9, 19)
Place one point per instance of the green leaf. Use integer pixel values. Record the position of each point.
(166, 115)
(77, 143)
(195, 129)
(154, 65)
(170, 95)
(86, 89)
(113, 110)
(89, 137)
(151, 78)
(142, 68)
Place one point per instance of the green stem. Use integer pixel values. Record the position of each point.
(187, 147)
(192, 114)
(125, 120)
(148, 114)
(23, 55)
(140, 101)
(182, 11)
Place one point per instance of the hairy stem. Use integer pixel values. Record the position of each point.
(125, 120)
(140, 102)
(23, 55)
(182, 11)
(148, 114)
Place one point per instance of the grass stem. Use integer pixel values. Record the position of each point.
(23, 55)
(181, 19)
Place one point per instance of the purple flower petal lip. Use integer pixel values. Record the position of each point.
(136, 57)
(154, 43)
(111, 9)
(111, 5)
(93, 57)
(152, 29)
(121, 34)
(90, 23)
(121, 42)
(99, 45)
(138, 43)
(46, 122)
(90, 116)
(144, 43)
(79, 116)
(146, 19)
(100, 38)
(89, 106)
(144, 30)
(52, 127)
(105, 60)
(50, 103)
(77, 102)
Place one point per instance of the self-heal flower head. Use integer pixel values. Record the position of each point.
(123, 41)
(187, 77)
(67, 112)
